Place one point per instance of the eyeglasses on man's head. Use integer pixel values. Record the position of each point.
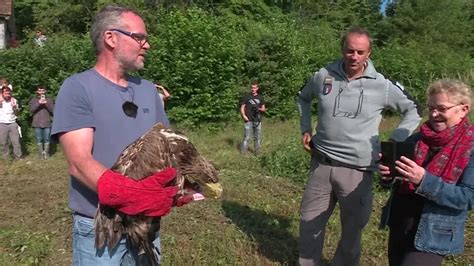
(140, 38)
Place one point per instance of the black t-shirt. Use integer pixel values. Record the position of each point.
(252, 103)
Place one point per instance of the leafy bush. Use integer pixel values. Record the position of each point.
(208, 55)
(416, 64)
(29, 66)
(199, 57)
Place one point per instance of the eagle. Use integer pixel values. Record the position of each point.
(159, 148)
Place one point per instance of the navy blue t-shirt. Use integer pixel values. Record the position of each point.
(88, 100)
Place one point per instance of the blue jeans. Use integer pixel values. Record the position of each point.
(255, 129)
(42, 134)
(85, 253)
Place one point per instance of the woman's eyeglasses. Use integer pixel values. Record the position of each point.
(441, 109)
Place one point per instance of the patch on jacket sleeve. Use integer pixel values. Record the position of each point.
(327, 85)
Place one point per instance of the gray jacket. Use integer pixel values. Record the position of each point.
(349, 113)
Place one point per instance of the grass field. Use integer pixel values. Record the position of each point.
(255, 223)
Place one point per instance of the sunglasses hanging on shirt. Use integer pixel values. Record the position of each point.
(129, 108)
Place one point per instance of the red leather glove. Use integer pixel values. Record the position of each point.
(182, 200)
(149, 196)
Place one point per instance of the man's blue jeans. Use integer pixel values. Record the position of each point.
(255, 129)
(85, 253)
(42, 134)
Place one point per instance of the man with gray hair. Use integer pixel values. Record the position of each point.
(351, 97)
(98, 113)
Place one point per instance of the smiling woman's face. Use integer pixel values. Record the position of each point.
(443, 113)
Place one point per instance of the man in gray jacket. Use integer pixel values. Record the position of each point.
(351, 96)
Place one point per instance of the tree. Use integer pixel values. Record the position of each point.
(432, 21)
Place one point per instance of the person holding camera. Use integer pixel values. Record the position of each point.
(41, 108)
(9, 129)
(433, 193)
(251, 107)
(351, 96)
(163, 92)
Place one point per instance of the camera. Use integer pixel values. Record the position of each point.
(42, 97)
(255, 108)
(255, 111)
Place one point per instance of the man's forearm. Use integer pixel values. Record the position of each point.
(305, 115)
(87, 171)
(77, 146)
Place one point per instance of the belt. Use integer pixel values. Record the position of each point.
(323, 159)
(82, 215)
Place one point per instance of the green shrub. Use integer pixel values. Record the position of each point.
(416, 64)
(29, 66)
(199, 58)
(208, 57)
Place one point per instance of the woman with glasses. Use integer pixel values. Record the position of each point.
(433, 193)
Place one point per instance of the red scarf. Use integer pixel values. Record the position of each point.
(454, 144)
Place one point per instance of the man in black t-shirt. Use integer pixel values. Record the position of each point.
(251, 107)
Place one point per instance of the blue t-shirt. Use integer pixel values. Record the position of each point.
(88, 100)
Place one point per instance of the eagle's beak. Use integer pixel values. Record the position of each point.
(212, 190)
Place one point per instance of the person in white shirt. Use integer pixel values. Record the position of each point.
(9, 130)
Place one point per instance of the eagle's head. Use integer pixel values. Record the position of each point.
(202, 184)
(196, 175)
